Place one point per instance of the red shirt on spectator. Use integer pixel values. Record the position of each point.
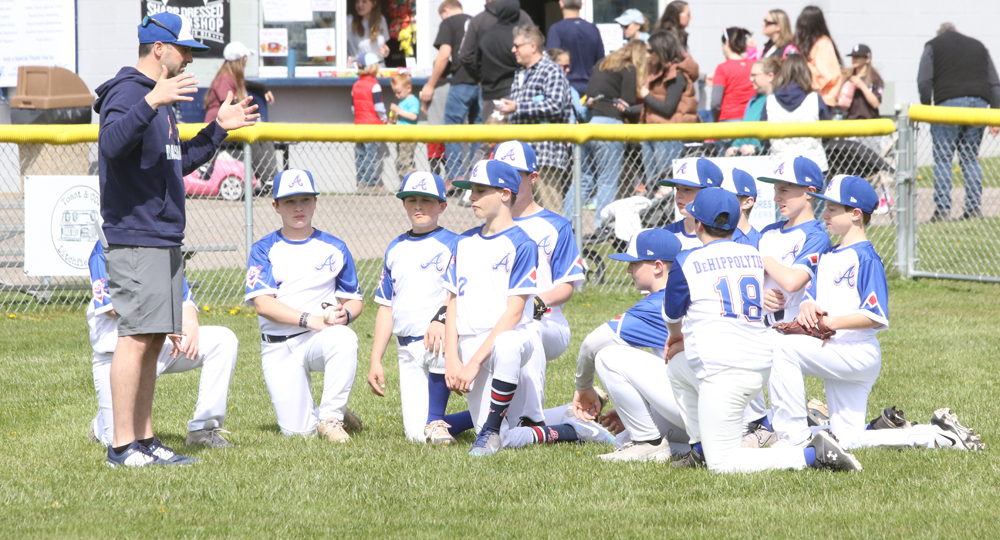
(734, 76)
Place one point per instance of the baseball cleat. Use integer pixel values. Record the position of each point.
(436, 432)
(961, 437)
(487, 443)
(212, 438)
(352, 422)
(690, 460)
(333, 429)
(758, 436)
(633, 451)
(587, 431)
(830, 455)
(891, 418)
(602, 396)
(167, 454)
(136, 455)
(817, 413)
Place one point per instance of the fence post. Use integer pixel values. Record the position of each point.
(248, 187)
(905, 176)
(578, 195)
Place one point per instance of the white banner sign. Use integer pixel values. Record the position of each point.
(62, 217)
(36, 33)
(763, 213)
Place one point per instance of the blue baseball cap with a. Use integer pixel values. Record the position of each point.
(741, 183)
(168, 27)
(650, 245)
(490, 172)
(709, 203)
(423, 183)
(852, 191)
(631, 16)
(368, 59)
(516, 154)
(293, 182)
(800, 171)
(702, 174)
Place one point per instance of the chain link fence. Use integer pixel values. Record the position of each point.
(358, 205)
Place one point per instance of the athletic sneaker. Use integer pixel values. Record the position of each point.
(587, 431)
(691, 460)
(816, 413)
(487, 443)
(211, 438)
(167, 454)
(633, 451)
(437, 433)
(352, 422)
(333, 429)
(830, 455)
(891, 418)
(758, 436)
(961, 437)
(136, 455)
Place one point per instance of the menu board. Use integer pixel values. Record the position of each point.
(36, 33)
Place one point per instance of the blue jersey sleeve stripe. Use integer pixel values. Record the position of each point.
(676, 295)
(523, 271)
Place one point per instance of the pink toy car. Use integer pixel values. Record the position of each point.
(227, 179)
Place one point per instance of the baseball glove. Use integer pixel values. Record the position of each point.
(540, 309)
(820, 331)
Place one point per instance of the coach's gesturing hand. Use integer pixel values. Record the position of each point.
(172, 90)
(236, 115)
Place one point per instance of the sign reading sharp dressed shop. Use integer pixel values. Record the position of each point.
(209, 20)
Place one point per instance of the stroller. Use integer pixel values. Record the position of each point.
(620, 220)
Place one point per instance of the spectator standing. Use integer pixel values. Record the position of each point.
(405, 113)
(581, 39)
(762, 76)
(634, 25)
(668, 98)
(731, 86)
(581, 115)
(540, 95)
(957, 71)
(616, 78)
(367, 30)
(812, 38)
(794, 101)
(778, 29)
(494, 65)
(676, 18)
(369, 109)
(462, 104)
(864, 88)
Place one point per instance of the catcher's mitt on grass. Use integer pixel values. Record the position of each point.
(820, 331)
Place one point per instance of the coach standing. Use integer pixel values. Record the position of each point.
(142, 162)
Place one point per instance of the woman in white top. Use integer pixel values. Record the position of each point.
(367, 31)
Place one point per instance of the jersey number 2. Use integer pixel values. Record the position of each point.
(461, 286)
(749, 289)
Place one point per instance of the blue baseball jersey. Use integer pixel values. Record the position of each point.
(688, 241)
(485, 271)
(413, 276)
(715, 290)
(558, 257)
(104, 327)
(749, 238)
(642, 325)
(300, 273)
(852, 280)
(798, 247)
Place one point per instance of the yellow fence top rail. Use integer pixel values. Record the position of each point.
(70, 134)
(963, 116)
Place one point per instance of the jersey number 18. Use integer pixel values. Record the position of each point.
(749, 298)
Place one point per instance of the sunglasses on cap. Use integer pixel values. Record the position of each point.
(147, 19)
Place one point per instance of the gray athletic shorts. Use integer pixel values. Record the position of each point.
(146, 286)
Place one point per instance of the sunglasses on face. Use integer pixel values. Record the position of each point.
(768, 23)
(147, 20)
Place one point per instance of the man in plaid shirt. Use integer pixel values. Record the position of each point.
(540, 95)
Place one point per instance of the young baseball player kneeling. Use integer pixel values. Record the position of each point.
(687, 181)
(292, 275)
(411, 298)
(742, 184)
(712, 303)
(848, 299)
(211, 348)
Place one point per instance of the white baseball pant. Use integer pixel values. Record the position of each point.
(288, 369)
(416, 364)
(713, 408)
(217, 348)
(848, 371)
(637, 383)
(553, 337)
(511, 351)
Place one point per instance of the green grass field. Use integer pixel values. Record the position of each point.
(940, 351)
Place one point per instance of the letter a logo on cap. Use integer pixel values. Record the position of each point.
(780, 169)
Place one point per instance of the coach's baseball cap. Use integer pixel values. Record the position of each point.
(650, 245)
(631, 16)
(702, 174)
(516, 154)
(423, 183)
(740, 183)
(490, 172)
(168, 27)
(293, 182)
(709, 203)
(368, 59)
(800, 171)
(852, 191)
(861, 50)
(235, 50)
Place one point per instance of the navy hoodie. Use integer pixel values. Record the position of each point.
(142, 163)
